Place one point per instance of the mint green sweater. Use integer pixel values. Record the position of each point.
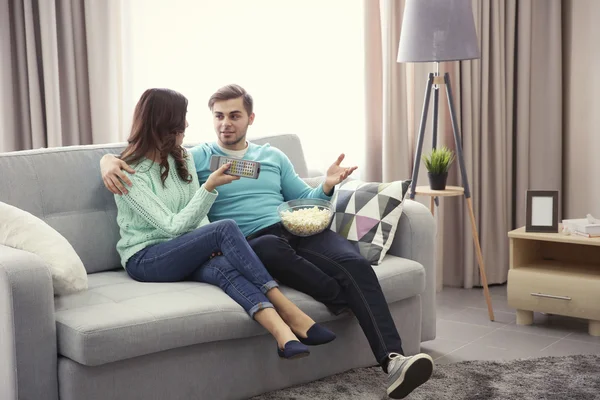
(152, 213)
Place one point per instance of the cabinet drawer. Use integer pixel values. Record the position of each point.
(555, 291)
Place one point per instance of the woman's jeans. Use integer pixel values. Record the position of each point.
(238, 271)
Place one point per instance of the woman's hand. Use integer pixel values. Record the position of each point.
(111, 169)
(219, 178)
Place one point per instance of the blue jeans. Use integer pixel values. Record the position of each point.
(238, 271)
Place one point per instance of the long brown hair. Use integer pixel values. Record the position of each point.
(159, 116)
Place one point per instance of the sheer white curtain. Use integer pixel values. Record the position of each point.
(303, 62)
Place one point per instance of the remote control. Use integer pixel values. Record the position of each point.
(239, 167)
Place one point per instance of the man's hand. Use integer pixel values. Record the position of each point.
(110, 168)
(336, 174)
(219, 178)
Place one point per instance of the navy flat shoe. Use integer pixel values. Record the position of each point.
(317, 335)
(293, 349)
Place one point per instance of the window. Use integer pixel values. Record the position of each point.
(302, 61)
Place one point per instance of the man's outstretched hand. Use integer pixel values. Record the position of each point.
(336, 174)
(111, 169)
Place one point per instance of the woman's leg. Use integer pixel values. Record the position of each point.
(236, 249)
(240, 255)
(176, 259)
(220, 272)
(293, 316)
(180, 259)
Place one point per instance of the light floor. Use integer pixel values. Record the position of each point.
(464, 331)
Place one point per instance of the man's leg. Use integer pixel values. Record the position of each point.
(290, 269)
(341, 260)
(338, 258)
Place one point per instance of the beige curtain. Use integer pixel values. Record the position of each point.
(509, 110)
(581, 83)
(386, 94)
(61, 78)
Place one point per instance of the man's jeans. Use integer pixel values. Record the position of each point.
(331, 270)
(238, 271)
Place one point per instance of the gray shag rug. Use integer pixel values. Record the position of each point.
(548, 378)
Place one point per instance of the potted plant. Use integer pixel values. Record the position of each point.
(437, 163)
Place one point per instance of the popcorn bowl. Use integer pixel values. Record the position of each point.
(305, 217)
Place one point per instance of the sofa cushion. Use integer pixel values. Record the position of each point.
(367, 214)
(118, 318)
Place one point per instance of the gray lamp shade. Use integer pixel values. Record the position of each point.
(437, 30)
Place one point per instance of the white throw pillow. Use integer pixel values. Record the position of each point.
(24, 231)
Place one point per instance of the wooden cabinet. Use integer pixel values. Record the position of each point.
(556, 274)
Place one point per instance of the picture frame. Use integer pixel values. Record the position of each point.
(542, 211)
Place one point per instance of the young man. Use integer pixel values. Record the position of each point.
(325, 266)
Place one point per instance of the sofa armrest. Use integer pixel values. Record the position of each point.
(415, 240)
(27, 327)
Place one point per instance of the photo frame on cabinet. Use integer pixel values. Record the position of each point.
(542, 211)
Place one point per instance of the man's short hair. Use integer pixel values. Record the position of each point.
(230, 92)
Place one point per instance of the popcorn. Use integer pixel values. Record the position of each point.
(306, 221)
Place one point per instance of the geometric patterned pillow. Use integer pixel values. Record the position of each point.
(367, 214)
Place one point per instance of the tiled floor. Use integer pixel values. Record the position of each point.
(464, 331)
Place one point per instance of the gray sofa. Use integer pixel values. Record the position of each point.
(127, 340)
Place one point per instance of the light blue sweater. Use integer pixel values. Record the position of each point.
(252, 203)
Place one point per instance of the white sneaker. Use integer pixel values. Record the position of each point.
(405, 374)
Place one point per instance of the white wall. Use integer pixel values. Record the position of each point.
(302, 61)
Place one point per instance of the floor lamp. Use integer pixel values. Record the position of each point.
(436, 31)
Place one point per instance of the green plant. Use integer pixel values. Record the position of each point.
(439, 160)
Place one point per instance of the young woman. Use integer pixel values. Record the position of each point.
(166, 236)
